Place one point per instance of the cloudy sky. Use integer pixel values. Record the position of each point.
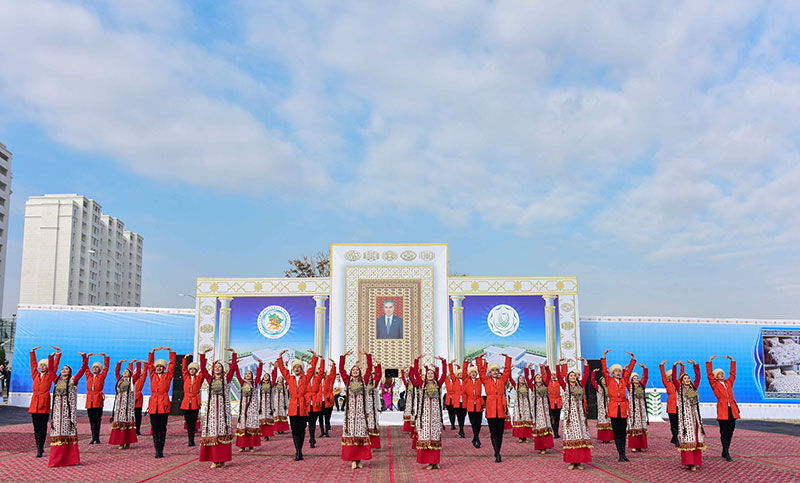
(651, 149)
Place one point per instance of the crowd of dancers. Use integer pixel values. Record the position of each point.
(275, 398)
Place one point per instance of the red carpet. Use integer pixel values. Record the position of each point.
(758, 457)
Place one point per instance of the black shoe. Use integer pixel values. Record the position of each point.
(312, 443)
(621, 459)
(453, 426)
(298, 457)
(191, 443)
(461, 434)
(625, 458)
(498, 459)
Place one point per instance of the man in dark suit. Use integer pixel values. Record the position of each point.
(390, 326)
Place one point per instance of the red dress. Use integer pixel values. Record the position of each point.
(248, 427)
(356, 443)
(542, 437)
(637, 438)
(124, 432)
(64, 444)
(429, 426)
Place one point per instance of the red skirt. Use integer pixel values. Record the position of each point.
(248, 441)
(428, 456)
(375, 441)
(65, 454)
(281, 426)
(692, 457)
(406, 426)
(543, 442)
(578, 455)
(508, 424)
(352, 452)
(267, 430)
(637, 442)
(122, 436)
(522, 432)
(414, 441)
(605, 435)
(218, 453)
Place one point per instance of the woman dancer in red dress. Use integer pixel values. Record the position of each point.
(691, 434)
(215, 446)
(356, 443)
(123, 425)
(64, 420)
(429, 416)
(248, 428)
(577, 442)
(638, 419)
(540, 408)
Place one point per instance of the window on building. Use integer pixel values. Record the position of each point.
(3, 155)
(3, 171)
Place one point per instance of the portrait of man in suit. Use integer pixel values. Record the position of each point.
(389, 325)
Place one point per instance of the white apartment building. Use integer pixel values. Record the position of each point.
(73, 254)
(5, 202)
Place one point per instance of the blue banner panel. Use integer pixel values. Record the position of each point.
(121, 335)
(653, 342)
(267, 325)
(513, 324)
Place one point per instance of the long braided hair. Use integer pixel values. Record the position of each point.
(696, 405)
(536, 397)
(117, 399)
(253, 389)
(225, 395)
(349, 394)
(570, 398)
(70, 409)
(634, 405)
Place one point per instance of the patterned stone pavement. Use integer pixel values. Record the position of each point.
(759, 456)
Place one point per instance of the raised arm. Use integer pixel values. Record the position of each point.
(368, 372)
(675, 376)
(138, 372)
(259, 372)
(507, 371)
(106, 366)
(664, 378)
(585, 376)
(604, 367)
(84, 366)
(274, 375)
(547, 376)
(234, 363)
(626, 374)
(481, 368)
(645, 375)
(732, 376)
(403, 377)
(236, 372)
(560, 377)
(376, 378)
(331, 374)
(282, 367)
(528, 378)
(116, 370)
(696, 375)
(444, 372)
(151, 363)
(313, 367)
(34, 364)
(594, 381)
(184, 368)
(710, 372)
(203, 370)
(342, 371)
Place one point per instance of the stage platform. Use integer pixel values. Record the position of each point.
(759, 457)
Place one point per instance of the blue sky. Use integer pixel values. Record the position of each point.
(649, 149)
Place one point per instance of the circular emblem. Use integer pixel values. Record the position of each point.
(568, 345)
(371, 255)
(274, 322)
(390, 255)
(352, 255)
(207, 309)
(408, 255)
(566, 307)
(503, 320)
(206, 328)
(567, 325)
(427, 255)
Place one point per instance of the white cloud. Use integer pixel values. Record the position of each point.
(672, 127)
(145, 100)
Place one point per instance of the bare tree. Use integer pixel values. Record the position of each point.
(317, 265)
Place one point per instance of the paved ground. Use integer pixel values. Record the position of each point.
(759, 456)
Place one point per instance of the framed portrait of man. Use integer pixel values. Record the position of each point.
(389, 324)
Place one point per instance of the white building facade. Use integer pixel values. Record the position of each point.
(73, 254)
(5, 202)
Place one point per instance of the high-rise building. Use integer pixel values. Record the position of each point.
(73, 254)
(5, 202)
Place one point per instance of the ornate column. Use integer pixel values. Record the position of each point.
(319, 324)
(224, 327)
(551, 330)
(458, 327)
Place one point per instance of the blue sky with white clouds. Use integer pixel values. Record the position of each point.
(650, 149)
